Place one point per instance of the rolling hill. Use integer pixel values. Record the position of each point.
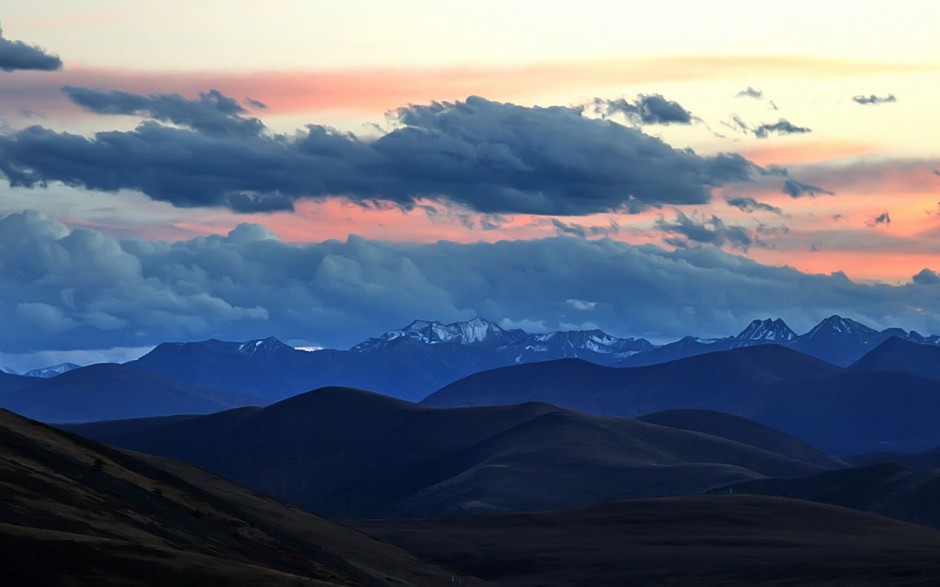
(835, 410)
(886, 489)
(347, 453)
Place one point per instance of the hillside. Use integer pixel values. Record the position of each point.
(77, 512)
(710, 540)
(836, 410)
(349, 453)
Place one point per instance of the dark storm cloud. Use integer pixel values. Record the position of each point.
(883, 218)
(647, 109)
(488, 156)
(781, 127)
(749, 204)
(926, 277)
(873, 99)
(795, 189)
(750, 92)
(685, 230)
(17, 55)
(77, 288)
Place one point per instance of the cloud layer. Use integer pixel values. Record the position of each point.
(69, 289)
(487, 156)
(17, 55)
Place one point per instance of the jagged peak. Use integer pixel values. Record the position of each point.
(837, 325)
(767, 329)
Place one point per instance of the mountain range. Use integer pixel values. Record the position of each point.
(424, 356)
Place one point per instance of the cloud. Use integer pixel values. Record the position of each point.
(582, 231)
(212, 113)
(749, 204)
(647, 109)
(78, 289)
(18, 56)
(926, 277)
(873, 99)
(488, 156)
(781, 127)
(750, 92)
(883, 218)
(795, 189)
(685, 230)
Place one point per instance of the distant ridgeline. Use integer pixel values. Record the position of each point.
(411, 363)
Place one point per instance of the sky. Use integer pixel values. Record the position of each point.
(323, 172)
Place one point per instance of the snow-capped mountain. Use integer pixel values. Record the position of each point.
(8, 371)
(53, 371)
(771, 331)
(474, 331)
(416, 360)
(837, 326)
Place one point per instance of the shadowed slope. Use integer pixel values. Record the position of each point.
(349, 453)
(902, 356)
(886, 489)
(76, 512)
(744, 431)
(710, 540)
(833, 409)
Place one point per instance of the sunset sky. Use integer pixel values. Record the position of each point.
(326, 171)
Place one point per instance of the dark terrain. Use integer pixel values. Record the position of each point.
(78, 513)
(711, 540)
(837, 410)
(353, 454)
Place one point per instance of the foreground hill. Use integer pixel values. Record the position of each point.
(78, 513)
(838, 411)
(354, 454)
(109, 391)
(713, 540)
(886, 489)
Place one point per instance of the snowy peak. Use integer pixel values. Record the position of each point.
(53, 371)
(478, 330)
(837, 326)
(596, 341)
(264, 346)
(767, 331)
(8, 371)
